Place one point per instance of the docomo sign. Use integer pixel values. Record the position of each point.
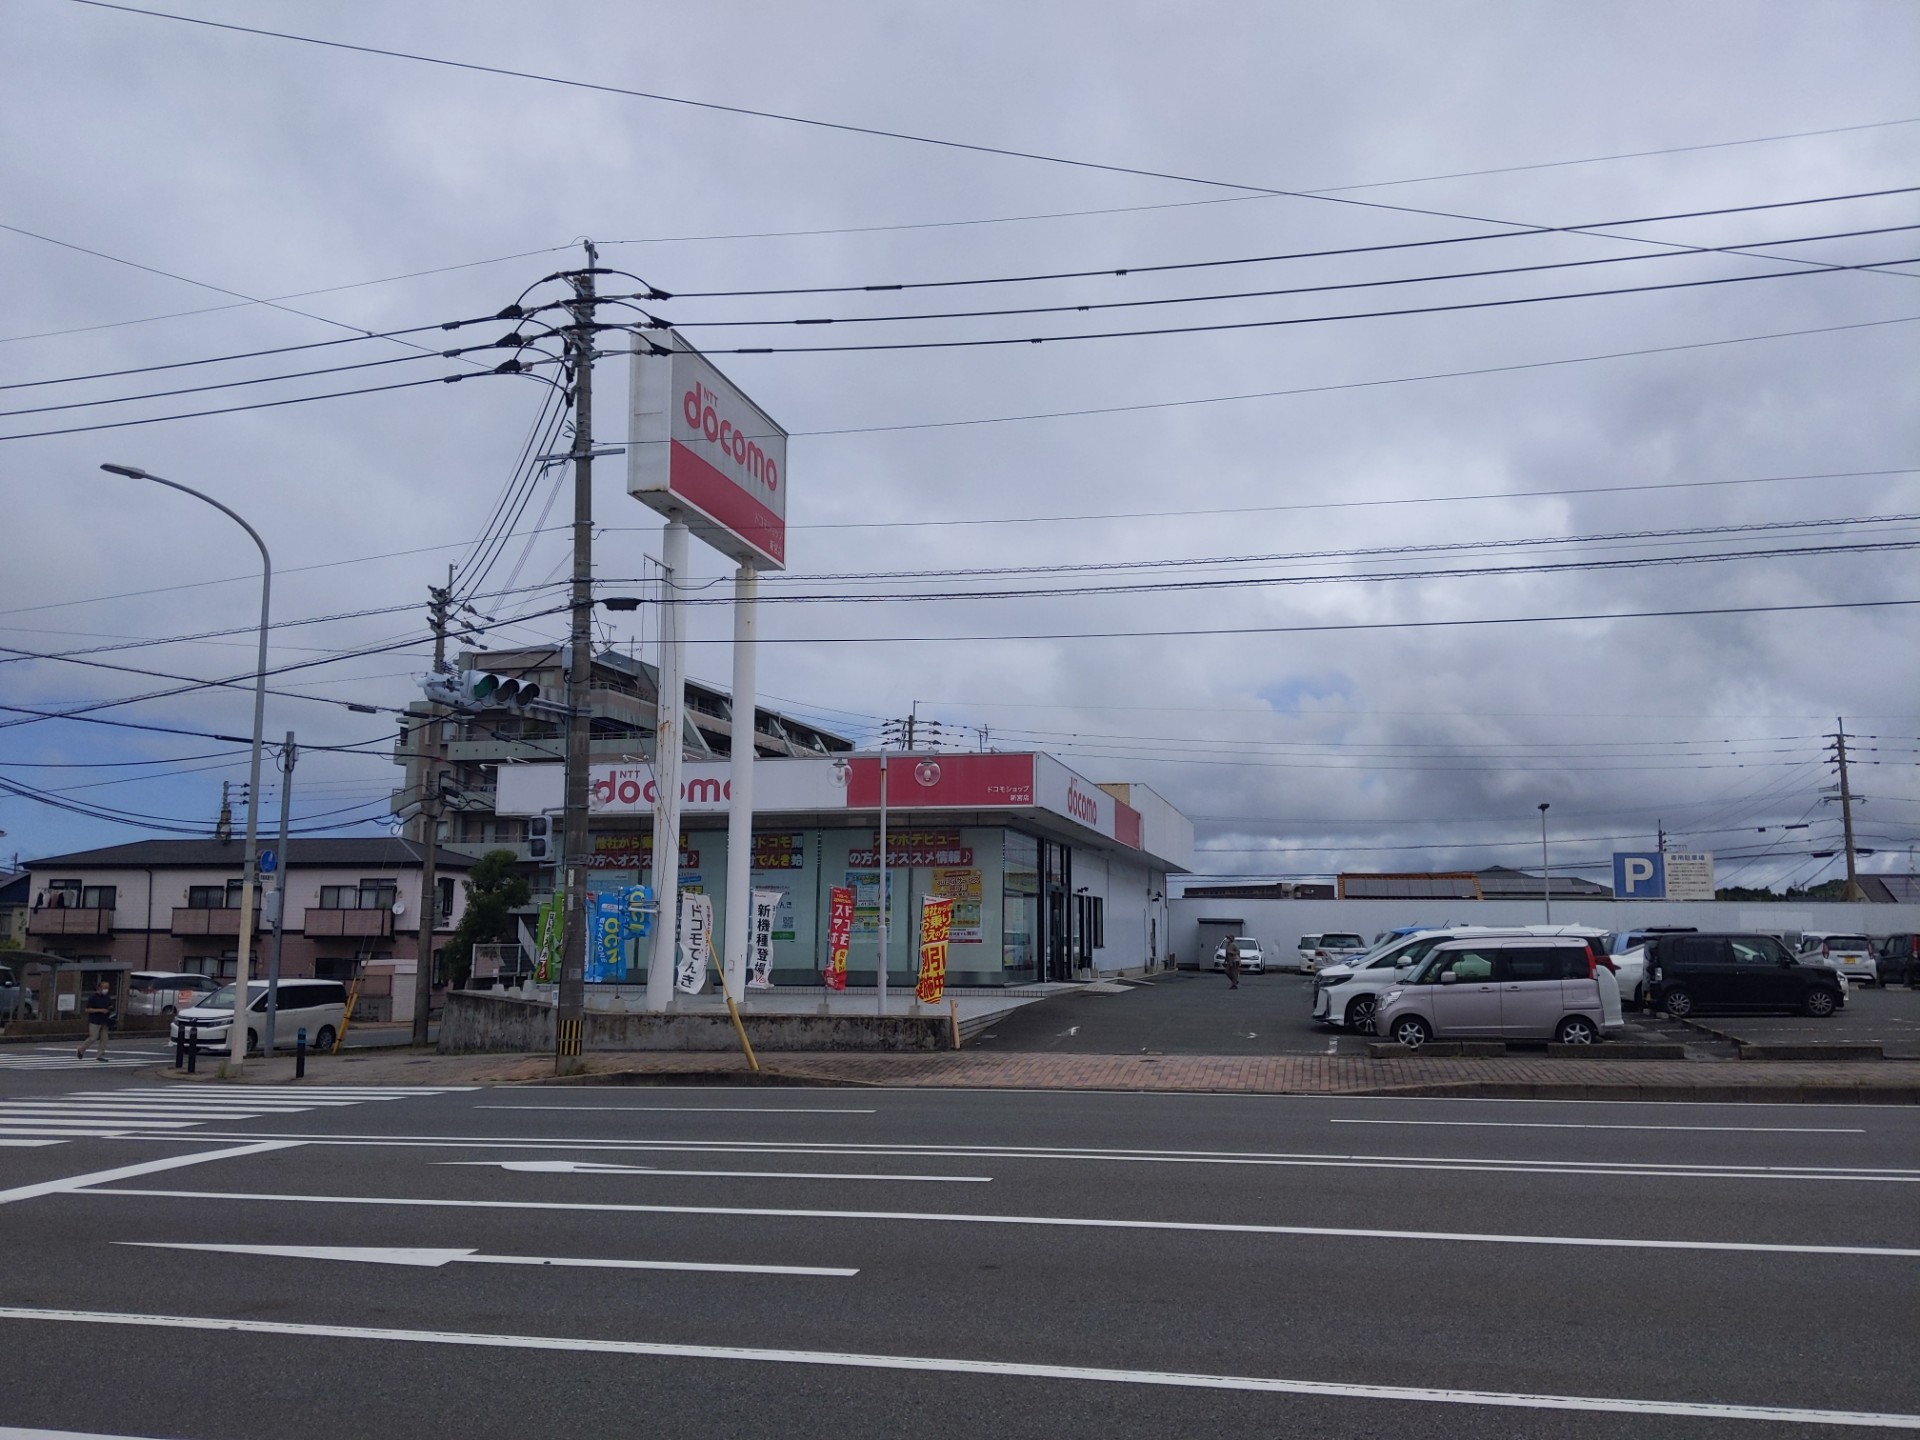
(700, 451)
(631, 790)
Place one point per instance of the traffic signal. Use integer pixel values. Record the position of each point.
(539, 837)
(479, 690)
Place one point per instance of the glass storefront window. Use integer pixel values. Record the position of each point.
(1020, 908)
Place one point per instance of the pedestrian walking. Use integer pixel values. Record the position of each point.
(1232, 963)
(99, 1020)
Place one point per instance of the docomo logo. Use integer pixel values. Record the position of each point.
(1082, 806)
(699, 408)
(624, 791)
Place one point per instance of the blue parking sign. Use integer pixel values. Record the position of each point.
(1640, 876)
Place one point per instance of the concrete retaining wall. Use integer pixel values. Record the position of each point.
(501, 1024)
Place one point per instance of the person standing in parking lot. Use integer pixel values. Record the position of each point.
(1232, 964)
(99, 1019)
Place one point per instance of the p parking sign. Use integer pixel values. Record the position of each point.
(1640, 876)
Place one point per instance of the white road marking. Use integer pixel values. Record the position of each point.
(71, 1183)
(13, 1432)
(6, 1139)
(1571, 1125)
(1648, 1169)
(118, 1114)
(1057, 1222)
(433, 1259)
(1000, 1369)
(699, 1110)
(589, 1167)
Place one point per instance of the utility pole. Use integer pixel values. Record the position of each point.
(571, 998)
(288, 754)
(1839, 737)
(1660, 836)
(913, 721)
(439, 607)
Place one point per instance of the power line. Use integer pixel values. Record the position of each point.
(1168, 267)
(1344, 627)
(1235, 325)
(1004, 152)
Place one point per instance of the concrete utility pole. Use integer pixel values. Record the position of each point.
(669, 738)
(571, 1000)
(289, 753)
(1853, 890)
(1546, 872)
(739, 914)
(439, 605)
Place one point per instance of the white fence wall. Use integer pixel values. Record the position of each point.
(1278, 924)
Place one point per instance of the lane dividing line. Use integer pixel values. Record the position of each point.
(1001, 1369)
(1570, 1125)
(1059, 1222)
(697, 1110)
(1653, 1170)
(590, 1167)
(79, 1183)
(435, 1258)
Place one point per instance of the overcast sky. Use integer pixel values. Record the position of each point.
(169, 173)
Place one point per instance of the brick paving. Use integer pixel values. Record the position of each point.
(1518, 1077)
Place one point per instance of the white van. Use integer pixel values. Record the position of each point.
(317, 1006)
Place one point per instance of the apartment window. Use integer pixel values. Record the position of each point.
(99, 897)
(63, 894)
(446, 896)
(367, 895)
(206, 897)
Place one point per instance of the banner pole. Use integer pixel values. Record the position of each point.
(880, 976)
(735, 927)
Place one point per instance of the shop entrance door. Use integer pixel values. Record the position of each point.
(1057, 865)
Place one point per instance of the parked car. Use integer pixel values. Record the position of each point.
(1308, 944)
(1253, 960)
(1628, 949)
(1900, 960)
(15, 998)
(317, 1006)
(1347, 994)
(1852, 955)
(162, 992)
(1695, 974)
(1335, 946)
(1515, 987)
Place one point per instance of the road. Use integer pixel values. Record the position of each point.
(711, 1261)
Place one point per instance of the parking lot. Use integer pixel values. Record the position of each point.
(1195, 1013)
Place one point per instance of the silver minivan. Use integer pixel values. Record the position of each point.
(317, 1006)
(1527, 987)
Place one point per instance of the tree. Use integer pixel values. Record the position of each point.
(495, 889)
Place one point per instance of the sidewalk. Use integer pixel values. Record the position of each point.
(1511, 1077)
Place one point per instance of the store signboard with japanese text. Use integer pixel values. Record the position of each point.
(706, 788)
(914, 849)
(698, 450)
(940, 782)
(1058, 789)
(936, 924)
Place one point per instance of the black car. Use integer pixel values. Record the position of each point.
(1689, 974)
(1900, 960)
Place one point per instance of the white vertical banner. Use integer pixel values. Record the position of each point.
(760, 947)
(696, 942)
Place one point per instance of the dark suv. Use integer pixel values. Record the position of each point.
(1692, 973)
(1900, 960)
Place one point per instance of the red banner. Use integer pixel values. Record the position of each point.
(839, 935)
(936, 924)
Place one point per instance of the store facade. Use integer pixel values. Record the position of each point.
(1052, 877)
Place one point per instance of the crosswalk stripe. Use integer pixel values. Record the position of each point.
(168, 1109)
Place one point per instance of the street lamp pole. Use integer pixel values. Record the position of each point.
(1546, 875)
(237, 1033)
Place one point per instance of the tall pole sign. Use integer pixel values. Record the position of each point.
(714, 463)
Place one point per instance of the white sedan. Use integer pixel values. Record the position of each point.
(1253, 960)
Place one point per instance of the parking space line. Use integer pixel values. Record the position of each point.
(688, 1109)
(1052, 1222)
(1004, 1369)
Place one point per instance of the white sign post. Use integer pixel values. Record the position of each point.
(710, 460)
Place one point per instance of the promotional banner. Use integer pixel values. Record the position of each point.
(967, 889)
(606, 942)
(936, 923)
(696, 943)
(839, 935)
(546, 965)
(637, 924)
(911, 849)
(760, 942)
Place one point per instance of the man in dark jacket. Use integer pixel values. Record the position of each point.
(1232, 964)
(99, 1019)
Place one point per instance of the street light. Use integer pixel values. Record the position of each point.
(1546, 876)
(237, 1033)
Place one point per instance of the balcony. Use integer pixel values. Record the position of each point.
(347, 924)
(67, 920)
(201, 921)
(549, 748)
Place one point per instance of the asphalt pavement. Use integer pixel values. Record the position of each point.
(708, 1261)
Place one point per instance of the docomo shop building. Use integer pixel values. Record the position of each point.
(1052, 877)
